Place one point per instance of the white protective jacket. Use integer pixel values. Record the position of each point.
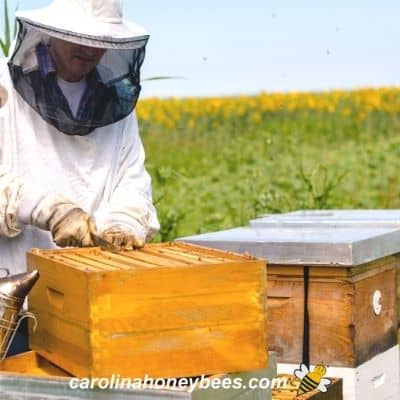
(102, 172)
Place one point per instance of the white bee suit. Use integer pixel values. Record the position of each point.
(102, 172)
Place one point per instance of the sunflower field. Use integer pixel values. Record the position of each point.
(218, 162)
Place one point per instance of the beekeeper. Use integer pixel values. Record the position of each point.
(71, 160)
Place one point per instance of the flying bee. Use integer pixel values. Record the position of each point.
(312, 380)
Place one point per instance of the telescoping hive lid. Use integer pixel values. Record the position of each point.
(329, 218)
(344, 238)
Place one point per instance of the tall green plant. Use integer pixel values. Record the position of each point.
(5, 42)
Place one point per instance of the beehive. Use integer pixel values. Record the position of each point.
(31, 364)
(168, 310)
(352, 303)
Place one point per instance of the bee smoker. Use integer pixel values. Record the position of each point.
(13, 290)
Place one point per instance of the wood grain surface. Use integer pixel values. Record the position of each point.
(168, 310)
(344, 330)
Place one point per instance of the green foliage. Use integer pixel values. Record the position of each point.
(170, 224)
(320, 185)
(5, 42)
(213, 179)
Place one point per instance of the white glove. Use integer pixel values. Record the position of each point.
(67, 222)
(124, 238)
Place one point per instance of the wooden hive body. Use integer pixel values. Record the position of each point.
(168, 310)
(335, 390)
(349, 262)
(344, 329)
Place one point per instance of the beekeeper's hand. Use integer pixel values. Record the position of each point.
(67, 222)
(124, 238)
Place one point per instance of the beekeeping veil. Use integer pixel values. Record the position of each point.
(93, 23)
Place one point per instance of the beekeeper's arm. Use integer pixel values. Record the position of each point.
(22, 203)
(131, 218)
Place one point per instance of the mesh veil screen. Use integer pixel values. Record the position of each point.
(114, 84)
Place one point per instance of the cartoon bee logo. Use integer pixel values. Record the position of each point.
(312, 380)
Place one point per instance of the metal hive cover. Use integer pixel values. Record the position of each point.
(307, 245)
(334, 218)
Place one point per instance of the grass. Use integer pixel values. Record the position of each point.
(8, 36)
(216, 163)
(212, 179)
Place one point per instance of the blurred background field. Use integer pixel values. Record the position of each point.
(217, 162)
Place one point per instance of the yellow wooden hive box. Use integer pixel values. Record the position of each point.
(168, 310)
